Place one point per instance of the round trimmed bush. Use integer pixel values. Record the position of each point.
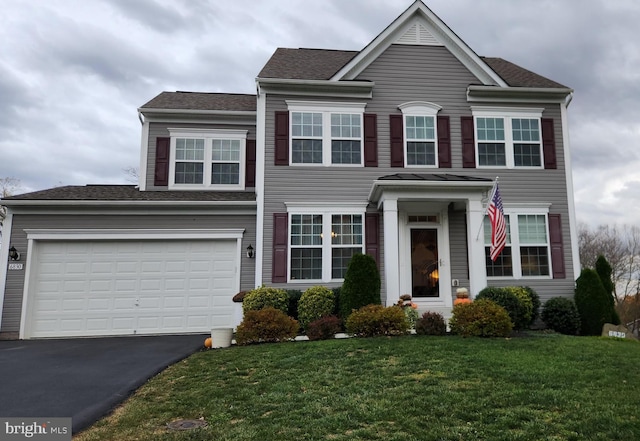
(535, 303)
(266, 325)
(375, 320)
(561, 315)
(265, 297)
(361, 285)
(525, 309)
(431, 323)
(324, 328)
(519, 311)
(316, 302)
(480, 318)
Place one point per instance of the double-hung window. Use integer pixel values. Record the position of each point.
(326, 134)
(420, 137)
(527, 253)
(508, 137)
(207, 159)
(322, 241)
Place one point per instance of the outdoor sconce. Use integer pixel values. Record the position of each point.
(250, 252)
(14, 254)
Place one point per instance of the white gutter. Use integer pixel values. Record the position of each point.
(145, 110)
(123, 203)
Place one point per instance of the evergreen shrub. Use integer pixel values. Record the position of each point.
(324, 328)
(265, 297)
(561, 315)
(592, 302)
(375, 320)
(431, 323)
(480, 318)
(316, 302)
(514, 300)
(361, 284)
(266, 325)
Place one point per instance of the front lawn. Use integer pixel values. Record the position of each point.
(542, 387)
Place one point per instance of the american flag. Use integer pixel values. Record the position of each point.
(498, 225)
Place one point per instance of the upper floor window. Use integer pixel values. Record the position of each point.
(326, 133)
(527, 252)
(509, 137)
(204, 158)
(420, 145)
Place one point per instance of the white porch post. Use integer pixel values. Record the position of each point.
(477, 270)
(391, 250)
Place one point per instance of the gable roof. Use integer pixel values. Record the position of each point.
(126, 194)
(233, 102)
(305, 64)
(516, 76)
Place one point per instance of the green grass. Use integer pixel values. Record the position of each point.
(543, 387)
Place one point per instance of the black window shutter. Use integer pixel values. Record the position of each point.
(161, 175)
(372, 236)
(468, 142)
(250, 164)
(557, 246)
(280, 241)
(444, 142)
(396, 130)
(549, 143)
(370, 140)
(282, 138)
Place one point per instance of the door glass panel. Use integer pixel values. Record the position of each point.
(424, 262)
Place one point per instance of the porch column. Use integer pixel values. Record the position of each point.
(477, 270)
(391, 250)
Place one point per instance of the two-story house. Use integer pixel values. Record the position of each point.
(391, 150)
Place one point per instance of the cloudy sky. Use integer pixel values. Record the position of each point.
(74, 72)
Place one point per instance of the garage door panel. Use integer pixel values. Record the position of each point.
(131, 287)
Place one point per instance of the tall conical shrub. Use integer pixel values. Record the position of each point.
(592, 302)
(604, 270)
(361, 285)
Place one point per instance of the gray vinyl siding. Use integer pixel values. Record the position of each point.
(15, 279)
(160, 130)
(458, 248)
(417, 73)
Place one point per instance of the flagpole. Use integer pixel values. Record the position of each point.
(486, 209)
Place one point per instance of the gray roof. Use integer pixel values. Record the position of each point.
(129, 193)
(516, 76)
(305, 64)
(203, 101)
(322, 64)
(433, 177)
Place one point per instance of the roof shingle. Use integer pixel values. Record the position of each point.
(305, 64)
(516, 76)
(203, 101)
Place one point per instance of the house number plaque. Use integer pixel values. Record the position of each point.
(15, 266)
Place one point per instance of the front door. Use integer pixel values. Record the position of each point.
(424, 263)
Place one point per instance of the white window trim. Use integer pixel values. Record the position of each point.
(507, 114)
(326, 210)
(419, 108)
(208, 135)
(513, 212)
(326, 109)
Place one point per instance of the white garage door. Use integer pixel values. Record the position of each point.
(129, 287)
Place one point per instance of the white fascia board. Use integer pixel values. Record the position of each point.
(520, 112)
(4, 256)
(150, 112)
(323, 207)
(517, 94)
(212, 211)
(132, 234)
(420, 12)
(259, 189)
(128, 203)
(328, 88)
(381, 187)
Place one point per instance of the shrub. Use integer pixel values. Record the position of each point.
(266, 325)
(561, 315)
(525, 309)
(431, 323)
(519, 311)
(604, 270)
(294, 297)
(336, 296)
(535, 303)
(361, 285)
(316, 302)
(265, 297)
(480, 318)
(592, 302)
(374, 320)
(324, 328)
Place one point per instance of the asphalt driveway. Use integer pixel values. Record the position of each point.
(82, 378)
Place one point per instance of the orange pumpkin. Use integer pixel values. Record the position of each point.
(207, 343)
(461, 301)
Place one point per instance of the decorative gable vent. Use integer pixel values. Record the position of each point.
(417, 34)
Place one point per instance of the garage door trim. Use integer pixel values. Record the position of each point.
(38, 235)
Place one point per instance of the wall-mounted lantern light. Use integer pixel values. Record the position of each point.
(14, 254)
(250, 252)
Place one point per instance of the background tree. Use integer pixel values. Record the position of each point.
(8, 186)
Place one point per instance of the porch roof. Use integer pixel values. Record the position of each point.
(427, 181)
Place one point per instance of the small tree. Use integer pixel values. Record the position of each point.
(592, 302)
(361, 285)
(605, 271)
